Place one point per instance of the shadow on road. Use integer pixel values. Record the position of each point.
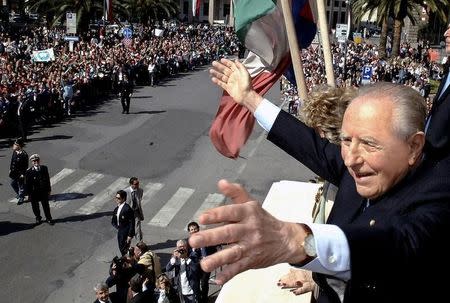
(83, 217)
(150, 112)
(69, 196)
(8, 227)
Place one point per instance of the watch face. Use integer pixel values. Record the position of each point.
(310, 246)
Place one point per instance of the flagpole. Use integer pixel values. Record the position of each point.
(294, 49)
(322, 16)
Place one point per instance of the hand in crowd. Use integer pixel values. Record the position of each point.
(300, 281)
(256, 239)
(233, 77)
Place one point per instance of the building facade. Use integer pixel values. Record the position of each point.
(211, 11)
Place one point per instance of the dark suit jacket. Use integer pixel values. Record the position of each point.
(37, 183)
(126, 220)
(18, 165)
(438, 132)
(193, 274)
(393, 242)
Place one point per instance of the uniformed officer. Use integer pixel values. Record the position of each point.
(17, 169)
(37, 181)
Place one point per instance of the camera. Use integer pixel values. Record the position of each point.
(181, 251)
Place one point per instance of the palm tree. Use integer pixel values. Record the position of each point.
(369, 8)
(85, 9)
(398, 10)
(147, 10)
(411, 8)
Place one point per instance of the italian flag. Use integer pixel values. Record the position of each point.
(259, 24)
(195, 7)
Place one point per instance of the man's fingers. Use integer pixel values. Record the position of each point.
(229, 233)
(221, 68)
(234, 191)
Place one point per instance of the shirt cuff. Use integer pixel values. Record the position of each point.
(333, 252)
(266, 113)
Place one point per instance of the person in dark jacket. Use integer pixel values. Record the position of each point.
(123, 221)
(125, 92)
(37, 184)
(186, 273)
(18, 168)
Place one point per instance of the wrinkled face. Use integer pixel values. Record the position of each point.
(102, 295)
(375, 157)
(447, 40)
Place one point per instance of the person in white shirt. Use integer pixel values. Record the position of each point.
(187, 273)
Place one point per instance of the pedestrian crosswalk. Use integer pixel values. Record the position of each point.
(86, 193)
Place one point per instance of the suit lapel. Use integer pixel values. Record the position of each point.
(437, 100)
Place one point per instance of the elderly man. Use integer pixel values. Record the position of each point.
(103, 295)
(390, 214)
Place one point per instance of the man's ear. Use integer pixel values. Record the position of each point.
(416, 143)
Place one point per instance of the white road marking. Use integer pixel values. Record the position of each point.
(171, 208)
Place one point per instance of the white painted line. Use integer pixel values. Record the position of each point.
(211, 201)
(55, 179)
(61, 175)
(150, 190)
(172, 207)
(105, 196)
(77, 188)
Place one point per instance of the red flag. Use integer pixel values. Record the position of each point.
(234, 123)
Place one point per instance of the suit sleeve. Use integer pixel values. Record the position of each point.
(302, 143)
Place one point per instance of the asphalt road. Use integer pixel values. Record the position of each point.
(163, 141)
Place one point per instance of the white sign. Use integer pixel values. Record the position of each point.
(45, 55)
(71, 23)
(341, 32)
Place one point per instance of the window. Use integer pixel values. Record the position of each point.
(343, 19)
(334, 20)
(185, 7)
(226, 9)
(205, 8)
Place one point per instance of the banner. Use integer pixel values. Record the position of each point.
(71, 23)
(45, 55)
(158, 32)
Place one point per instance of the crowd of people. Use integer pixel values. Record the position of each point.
(138, 276)
(99, 64)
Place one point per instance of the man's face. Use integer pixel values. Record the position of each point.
(135, 184)
(447, 40)
(193, 229)
(118, 199)
(16, 147)
(375, 157)
(102, 295)
(182, 249)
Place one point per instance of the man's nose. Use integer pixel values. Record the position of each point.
(352, 156)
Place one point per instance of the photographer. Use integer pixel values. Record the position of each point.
(120, 273)
(187, 273)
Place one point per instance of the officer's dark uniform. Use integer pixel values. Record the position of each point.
(125, 91)
(37, 181)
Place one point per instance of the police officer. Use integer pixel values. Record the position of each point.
(37, 181)
(125, 91)
(17, 169)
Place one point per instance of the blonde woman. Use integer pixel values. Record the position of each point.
(165, 293)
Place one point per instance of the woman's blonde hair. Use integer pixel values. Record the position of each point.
(324, 109)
